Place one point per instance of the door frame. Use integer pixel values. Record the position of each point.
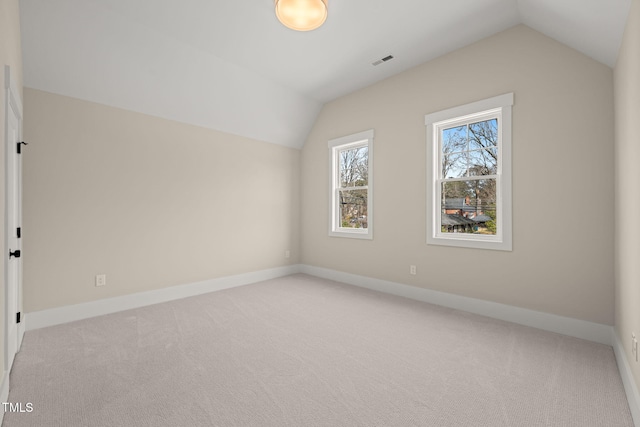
(12, 104)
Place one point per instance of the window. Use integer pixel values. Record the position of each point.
(351, 166)
(469, 175)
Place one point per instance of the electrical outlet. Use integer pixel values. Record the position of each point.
(287, 254)
(412, 270)
(101, 280)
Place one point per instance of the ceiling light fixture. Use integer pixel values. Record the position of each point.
(301, 15)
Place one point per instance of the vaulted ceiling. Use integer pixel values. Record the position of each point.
(230, 65)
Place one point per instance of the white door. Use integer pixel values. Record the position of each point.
(13, 263)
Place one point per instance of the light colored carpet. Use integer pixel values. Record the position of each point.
(302, 351)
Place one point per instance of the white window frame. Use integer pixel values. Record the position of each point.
(359, 139)
(500, 107)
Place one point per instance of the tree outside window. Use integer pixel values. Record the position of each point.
(351, 185)
(469, 175)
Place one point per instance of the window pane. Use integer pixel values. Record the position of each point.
(483, 162)
(469, 206)
(454, 165)
(454, 139)
(483, 134)
(454, 157)
(354, 167)
(353, 208)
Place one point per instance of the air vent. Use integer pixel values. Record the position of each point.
(380, 61)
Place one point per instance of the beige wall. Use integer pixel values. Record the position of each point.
(627, 178)
(562, 261)
(149, 202)
(10, 54)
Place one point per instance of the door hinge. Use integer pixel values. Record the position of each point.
(18, 317)
(19, 146)
(19, 232)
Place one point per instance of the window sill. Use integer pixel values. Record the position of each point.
(462, 241)
(352, 234)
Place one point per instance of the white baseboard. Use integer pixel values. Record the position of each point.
(549, 322)
(596, 332)
(630, 387)
(603, 334)
(59, 315)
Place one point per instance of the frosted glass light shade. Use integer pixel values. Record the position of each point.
(301, 15)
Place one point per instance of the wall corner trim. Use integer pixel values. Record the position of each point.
(70, 313)
(630, 388)
(582, 329)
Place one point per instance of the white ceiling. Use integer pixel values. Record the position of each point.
(231, 66)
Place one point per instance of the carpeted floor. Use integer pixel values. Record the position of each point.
(302, 351)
